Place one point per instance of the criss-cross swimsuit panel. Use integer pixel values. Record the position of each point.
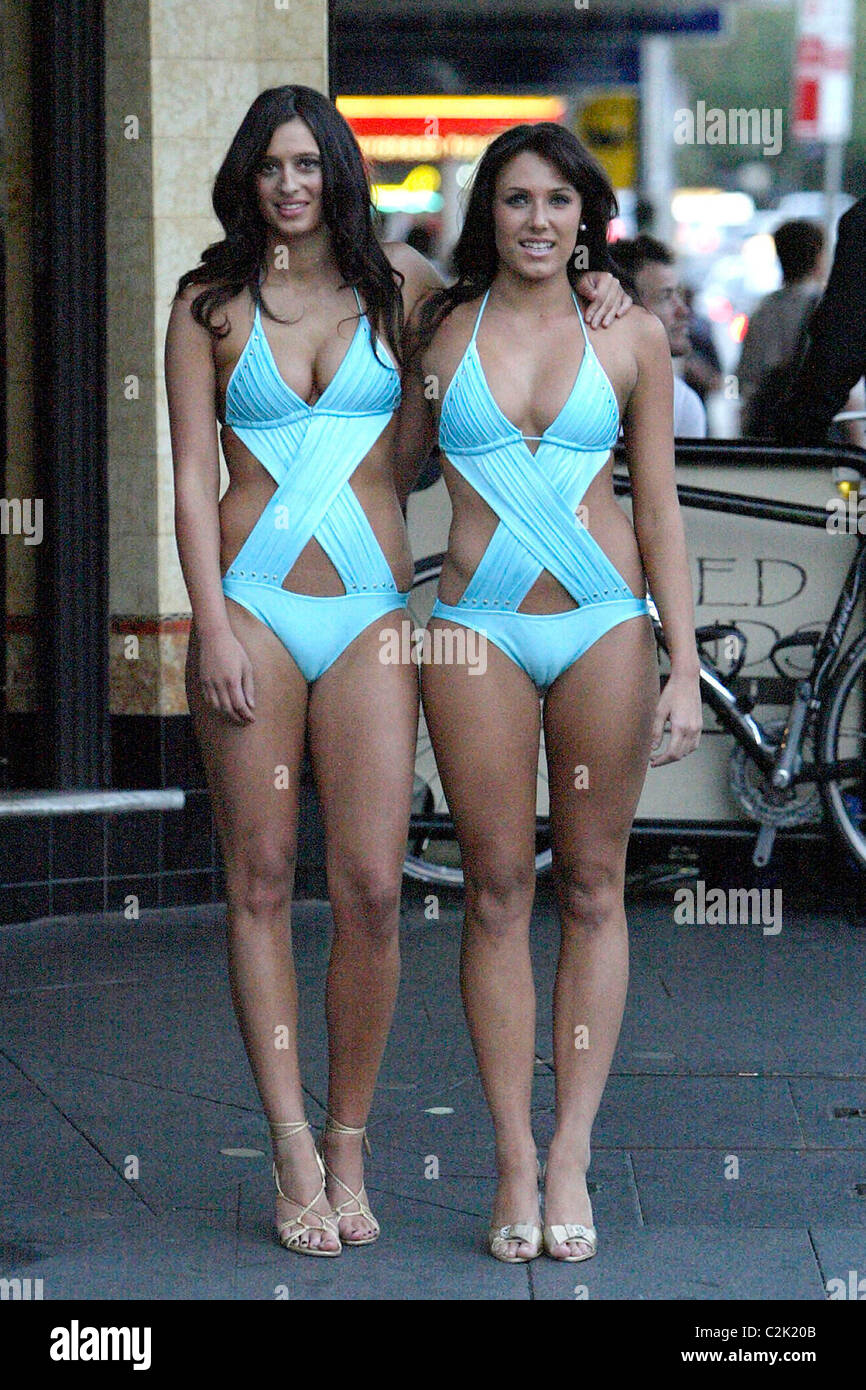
(536, 497)
(311, 452)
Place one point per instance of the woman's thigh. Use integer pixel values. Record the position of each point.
(598, 719)
(485, 730)
(253, 770)
(363, 722)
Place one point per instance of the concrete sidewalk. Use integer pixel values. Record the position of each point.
(121, 1057)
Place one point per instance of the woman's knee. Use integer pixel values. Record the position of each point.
(590, 894)
(260, 877)
(499, 896)
(365, 896)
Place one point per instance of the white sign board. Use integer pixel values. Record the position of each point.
(822, 70)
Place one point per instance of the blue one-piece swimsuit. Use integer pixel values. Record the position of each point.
(311, 452)
(536, 497)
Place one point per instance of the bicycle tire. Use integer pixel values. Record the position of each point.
(842, 735)
(419, 862)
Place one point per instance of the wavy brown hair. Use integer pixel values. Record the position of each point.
(475, 258)
(236, 262)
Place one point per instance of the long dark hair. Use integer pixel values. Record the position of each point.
(236, 262)
(475, 258)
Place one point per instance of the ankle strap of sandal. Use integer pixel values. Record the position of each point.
(287, 1129)
(335, 1127)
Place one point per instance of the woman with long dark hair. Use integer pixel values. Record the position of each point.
(288, 335)
(546, 566)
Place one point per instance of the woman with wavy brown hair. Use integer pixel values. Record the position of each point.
(544, 564)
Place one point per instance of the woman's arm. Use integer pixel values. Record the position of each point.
(190, 377)
(416, 434)
(648, 434)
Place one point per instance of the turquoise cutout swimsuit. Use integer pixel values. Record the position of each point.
(536, 497)
(311, 452)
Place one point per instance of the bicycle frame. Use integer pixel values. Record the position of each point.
(781, 762)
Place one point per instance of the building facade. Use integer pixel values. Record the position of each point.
(116, 118)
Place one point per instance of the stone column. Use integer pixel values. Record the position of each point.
(180, 77)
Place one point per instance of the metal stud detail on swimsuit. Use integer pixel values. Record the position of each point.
(536, 496)
(311, 452)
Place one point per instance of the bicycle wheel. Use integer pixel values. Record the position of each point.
(432, 853)
(842, 737)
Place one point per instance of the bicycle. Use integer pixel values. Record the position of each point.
(804, 769)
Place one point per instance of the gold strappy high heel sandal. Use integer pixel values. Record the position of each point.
(294, 1233)
(360, 1197)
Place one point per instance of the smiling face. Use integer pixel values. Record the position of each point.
(289, 181)
(536, 217)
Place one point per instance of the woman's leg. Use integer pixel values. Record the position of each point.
(253, 774)
(597, 722)
(363, 723)
(485, 733)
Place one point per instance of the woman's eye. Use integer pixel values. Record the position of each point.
(309, 162)
(560, 198)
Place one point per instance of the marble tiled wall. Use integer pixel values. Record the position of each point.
(187, 70)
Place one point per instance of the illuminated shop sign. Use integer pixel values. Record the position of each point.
(439, 127)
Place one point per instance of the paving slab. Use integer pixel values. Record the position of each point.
(841, 1255)
(751, 1188)
(692, 1262)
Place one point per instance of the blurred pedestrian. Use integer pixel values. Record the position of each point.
(776, 335)
(836, 357)
(651, 267)
(702, 369)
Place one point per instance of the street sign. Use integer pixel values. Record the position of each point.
(607, 123)
(822, 72)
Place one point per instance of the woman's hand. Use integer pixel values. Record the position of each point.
(678, 710)
(606, 297)
(225, 675)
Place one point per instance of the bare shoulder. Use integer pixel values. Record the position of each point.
(181, 308)
(185, 298)
(420, 278)
(411, 263)
(190, 292)
(455, 330)
(648, 334)
(188, 336)
(638, 335)
(235, 314)
(182, 323)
